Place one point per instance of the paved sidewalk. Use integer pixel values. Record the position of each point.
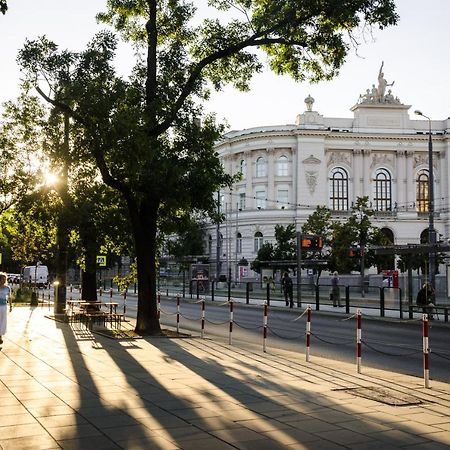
(70, 389)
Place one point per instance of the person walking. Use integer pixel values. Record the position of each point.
(5, 292)
(288, 289)
(425, 298)
(335, 290)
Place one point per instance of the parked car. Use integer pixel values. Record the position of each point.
(13, 278)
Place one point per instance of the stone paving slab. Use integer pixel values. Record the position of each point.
(71, 389)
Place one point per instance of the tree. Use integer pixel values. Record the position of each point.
(151, 140)
(189, 239)
(283, 250)
(3, 6)
(319, 223)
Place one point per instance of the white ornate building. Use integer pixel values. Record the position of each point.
(288, 170)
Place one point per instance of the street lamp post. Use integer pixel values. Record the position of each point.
(431, 230)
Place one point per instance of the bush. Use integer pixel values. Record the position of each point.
(22, 295)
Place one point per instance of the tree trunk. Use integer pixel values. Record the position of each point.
(89, 240)
(144, 223)
(89, 285)
(61, 267)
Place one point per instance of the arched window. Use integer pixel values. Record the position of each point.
(261, 167)
(382, 195)
(238, 243)
(425, 236)
(258, 241)
(386, 262)
(422, 191)
(243, 168)
(339, 189)
(283, 166)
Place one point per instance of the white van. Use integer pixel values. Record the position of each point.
(36, 275)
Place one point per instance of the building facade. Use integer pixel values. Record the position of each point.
(288, 170)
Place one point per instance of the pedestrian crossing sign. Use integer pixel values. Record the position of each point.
(101, 260)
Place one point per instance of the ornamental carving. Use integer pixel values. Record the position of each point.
(382, 158)
(338, 158)
(311, 180)
(311, 160)
(421, 160)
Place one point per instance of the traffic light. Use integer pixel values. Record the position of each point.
(311, 242)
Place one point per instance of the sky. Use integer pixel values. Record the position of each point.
(415, 55)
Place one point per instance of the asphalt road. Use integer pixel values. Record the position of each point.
(387, 344)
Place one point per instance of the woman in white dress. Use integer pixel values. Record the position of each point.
(4, 297)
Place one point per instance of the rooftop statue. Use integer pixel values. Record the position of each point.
(382, 83)
(378, 94)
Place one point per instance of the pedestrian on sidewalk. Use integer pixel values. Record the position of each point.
(288, 289)
(425, 299)
(335, 290)
(5, 292)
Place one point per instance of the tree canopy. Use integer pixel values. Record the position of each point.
(149, 135)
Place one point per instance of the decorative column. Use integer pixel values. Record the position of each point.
(358, 171)
(366, 172)
(271, 167)
(249, 204)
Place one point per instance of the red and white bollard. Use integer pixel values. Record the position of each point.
(203, 318)
(308, 332)
(231, 322)
(158, 304)
(265, 326)
(178, 313)
(426, 351)
(358, 340)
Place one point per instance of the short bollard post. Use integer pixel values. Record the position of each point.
(265, 326)
(203, 318)
(110, 294)
(100, 291)
(231, 322)
(178, 313)
(308, 332)
(358, 340)
(158, 304)
(81, 291)
(125, 302)
(426, 351)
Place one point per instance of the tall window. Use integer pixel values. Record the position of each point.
(238, 243)
(339, 189)
(283, 166)
(260, 196)
(258, 241)
(282, 197)
(210, 245)
(261, 167)
(241, 201)
(243, 168)
(382, 197)
(422, 191)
